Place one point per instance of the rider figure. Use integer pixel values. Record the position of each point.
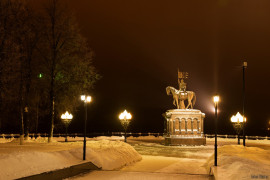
(182, 85)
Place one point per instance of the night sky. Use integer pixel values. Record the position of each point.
(139, 45)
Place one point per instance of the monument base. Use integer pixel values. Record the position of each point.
(185, 141)
(184, 127)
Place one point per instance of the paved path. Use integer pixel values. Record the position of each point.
(122, 175)
(156, 168)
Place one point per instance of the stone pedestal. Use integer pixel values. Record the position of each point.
(184, 127)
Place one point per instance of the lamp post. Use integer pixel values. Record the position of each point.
(244, 136)
(238, 121)
(216, 100)
(85, 99)
(125, 118)
(66, 118)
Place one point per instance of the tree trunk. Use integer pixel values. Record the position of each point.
(21, 106)
(28, 84)
(0, 97)
(50, 136)
(54, 55)
(37, 117)
(1, 84)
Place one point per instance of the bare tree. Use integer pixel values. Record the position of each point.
(10, 11)
(67, 59)
(5, 35)
(29, 36)
(46, 43)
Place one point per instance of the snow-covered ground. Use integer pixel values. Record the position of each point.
(35, 156)
(239, 162)
(120, 160)
(154, 168)
(235, 140)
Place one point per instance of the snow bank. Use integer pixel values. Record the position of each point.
(5, 140)
(234, 140)
(29, 160)
(239, 162)
(111, 155)
(20, 164)
(147, 137)
(31, 140)
(110, 137)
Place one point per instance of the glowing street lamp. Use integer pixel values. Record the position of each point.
(125, 118)
(66, 118)
(85, 99)
(237, 121)
(216, 100)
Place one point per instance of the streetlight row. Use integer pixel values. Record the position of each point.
(68, 117)
(124, 118)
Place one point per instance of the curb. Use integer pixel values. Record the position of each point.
(213, 172)
(63, 173)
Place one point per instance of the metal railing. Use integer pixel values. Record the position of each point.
(33, 135)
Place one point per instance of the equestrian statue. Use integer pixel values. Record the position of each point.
(179, 96)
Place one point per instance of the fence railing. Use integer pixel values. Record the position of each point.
(235, 136)
(81, 134)
(32, 135)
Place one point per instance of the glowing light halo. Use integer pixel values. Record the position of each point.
(125, 115)
(66, 116)
(216, 99)
(238, 118)
(86, 99)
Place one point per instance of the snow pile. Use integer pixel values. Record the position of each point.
(110, 137)
(111, 155)
(30, 159)
(5, 140)
(147, 137)
(37, 140)
(20, 164)
(41, 139)
(234, 140)
(239, 162)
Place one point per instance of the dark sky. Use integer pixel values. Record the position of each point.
(140, 44)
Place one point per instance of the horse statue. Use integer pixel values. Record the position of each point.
(181, 96)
